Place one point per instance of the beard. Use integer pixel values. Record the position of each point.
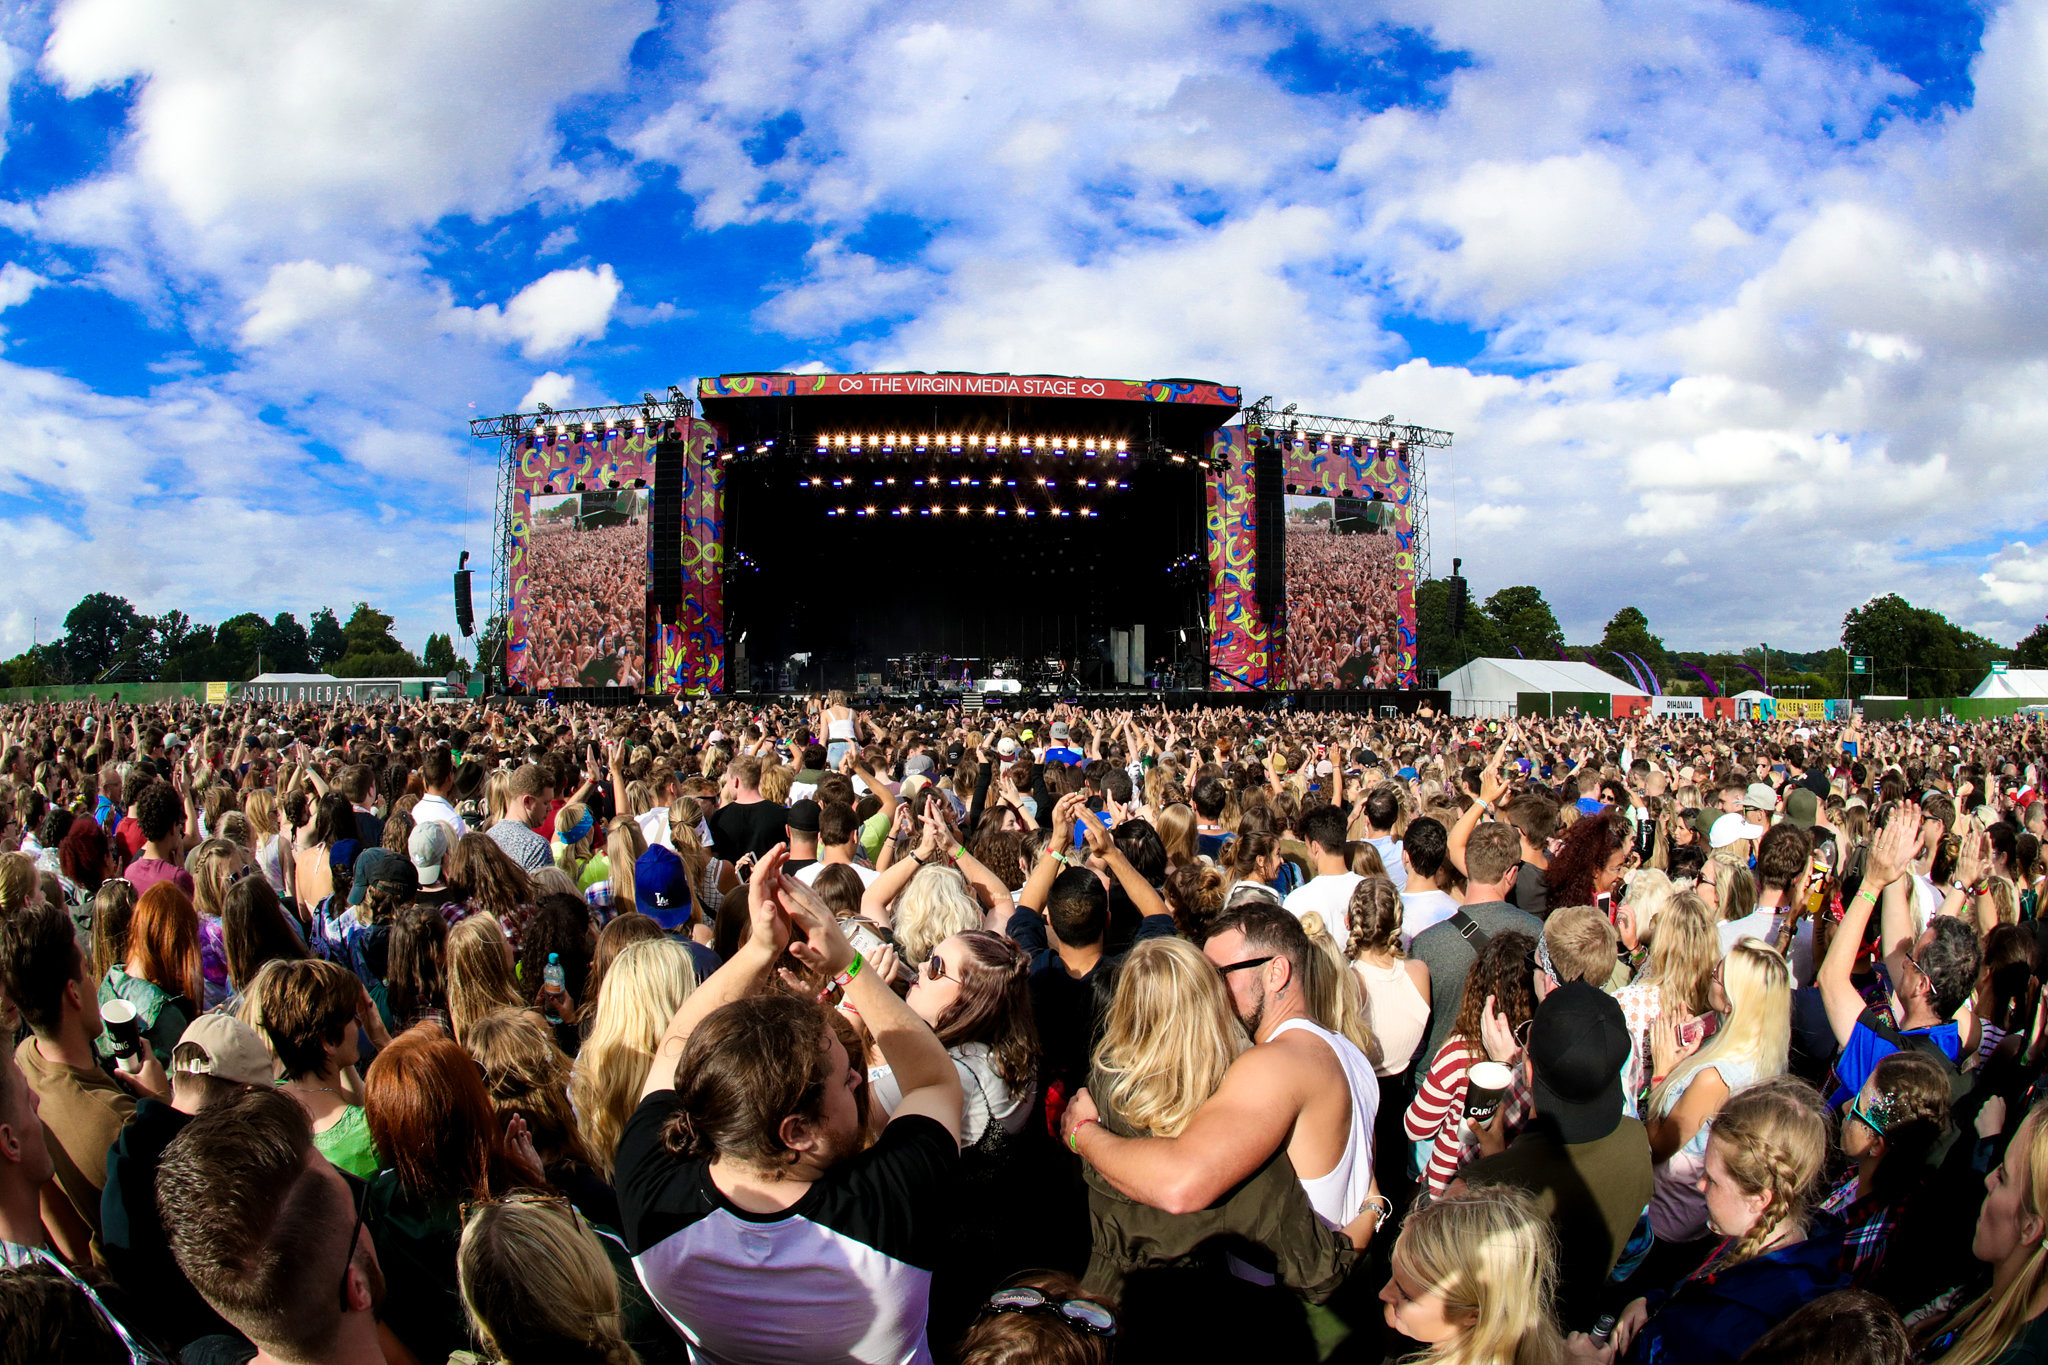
(1257, 1017)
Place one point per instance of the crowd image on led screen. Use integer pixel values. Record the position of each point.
(586, 590)
(1344, 625)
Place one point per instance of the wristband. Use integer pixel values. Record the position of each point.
(959, 852)
(852, 970)
(1074, 1138)
(914, 858)
(1058, 857)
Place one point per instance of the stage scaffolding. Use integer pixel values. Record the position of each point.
(1291, 426)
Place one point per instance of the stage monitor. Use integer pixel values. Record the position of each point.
(1350, 594)
(580, 601)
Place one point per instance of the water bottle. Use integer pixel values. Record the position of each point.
(1603, 1329)
(555, 981)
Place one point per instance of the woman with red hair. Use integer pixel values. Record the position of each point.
(160, 975)
(443, 1147)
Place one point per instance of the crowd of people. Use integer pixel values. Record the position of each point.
(584, 595)
(1343, 626)
(694, 1031)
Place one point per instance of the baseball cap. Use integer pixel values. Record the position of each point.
(661, 889)
(1007, 747)
(222, 1045)
(1731, 827)
(1577, 1046)
(1026, 734)
(803, 816)
(917, 763)
(429, 849)
(384, 868)
(954, 752)
(1802, 807)
(1060, 731)
(342, 853)
(1759, 797)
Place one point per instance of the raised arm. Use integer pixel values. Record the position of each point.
(736, 980)
(1103, 846)
(1889, 857)
(929, 1080)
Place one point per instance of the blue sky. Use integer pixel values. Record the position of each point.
(1736, 310)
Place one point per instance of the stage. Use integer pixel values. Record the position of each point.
(912, 534)
(1368, 703)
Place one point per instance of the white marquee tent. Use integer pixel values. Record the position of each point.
(1487, 687)
(2028, 683)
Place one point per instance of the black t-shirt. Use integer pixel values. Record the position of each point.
(842, 1274)
(755, 828)
(1529, 894)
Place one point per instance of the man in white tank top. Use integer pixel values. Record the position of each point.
(1300, 1087)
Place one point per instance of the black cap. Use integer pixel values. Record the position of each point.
(803, 816)
(1577, 1047)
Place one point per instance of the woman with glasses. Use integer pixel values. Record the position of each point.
(974, 990)
(1689, 1083)
(1888, 1130)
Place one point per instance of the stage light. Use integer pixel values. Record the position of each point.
(965, 509)
(1044, 482)
(933, 481)
(547, 488)
(1091, 443)
(890, 481)
(611, 483)
(1010, 483)
(839, 439)
(1179, 458)
(1086, 512)
(767, 445)
(868, 511)
(724, 456)
(1057, 512)
(1006, 440)
(1120, 447)
(1025, 512)
(904, 510)
(815, 481)
(821, 450)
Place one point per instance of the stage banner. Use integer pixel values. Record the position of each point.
(688, 653)
(1689, 707)
(1350, 569)
(966, 386)
(1237, 636)
(1802, 708)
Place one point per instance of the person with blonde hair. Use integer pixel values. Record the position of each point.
(2009, 1321)
(1473, 1276)
(1760, 1178)
(1751, 989)
(217, 865)
(1676, 982)
(527, 1073)
(1336, 998)
(1167, 1044)
(1396, 987)
(935, 906)
(572, 846)
(537, 1287)
(480, 973)
(623, 844)
(643, 988)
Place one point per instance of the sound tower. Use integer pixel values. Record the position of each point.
(1269, 513)
(665, 531)
(465, 614)
(1457, 599)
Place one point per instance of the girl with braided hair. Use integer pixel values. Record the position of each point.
(1764, 1163)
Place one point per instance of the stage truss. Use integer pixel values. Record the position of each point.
(1293, 427)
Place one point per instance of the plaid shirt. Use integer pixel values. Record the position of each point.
(1869, 1223)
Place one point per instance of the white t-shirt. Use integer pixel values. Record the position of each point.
(1758, 924)
(1329, 896)
(1421, 910)
(654, 827)
(809, 874)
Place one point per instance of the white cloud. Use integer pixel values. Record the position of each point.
(2018, 577)
(555, 390)
(552, 314)
(301, 292)
(558, 241)
(16, 284)
(1675, 558)
(387, 112)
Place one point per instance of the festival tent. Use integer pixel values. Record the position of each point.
(1491, 687)
(2030, 684)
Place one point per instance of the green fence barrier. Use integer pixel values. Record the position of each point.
(128, 692)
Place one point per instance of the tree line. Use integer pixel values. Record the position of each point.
(1912, 651)
(107, 640)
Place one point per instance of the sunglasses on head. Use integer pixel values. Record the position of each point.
(1084, 1314)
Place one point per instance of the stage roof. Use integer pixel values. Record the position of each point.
(1177, 413)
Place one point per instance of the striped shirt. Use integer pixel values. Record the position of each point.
(1437, 1113)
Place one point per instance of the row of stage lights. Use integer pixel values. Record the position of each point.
(562, 431)
(1264, 439)
(994, 443)
(963, 509)
(970, 481)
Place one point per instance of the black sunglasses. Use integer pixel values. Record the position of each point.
(1084, 1314)
(1248, 962)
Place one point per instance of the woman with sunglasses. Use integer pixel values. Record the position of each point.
(1889, 1129)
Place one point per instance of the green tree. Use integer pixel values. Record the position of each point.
(324, 641)
(237, 642)
(93, 632)
(439, 655)
(369, 632)
(1525, 622)
(1629, 633)
(1435, 646)
(1919, 652)
(285, 649)
(490, 645)
(2033, 651)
